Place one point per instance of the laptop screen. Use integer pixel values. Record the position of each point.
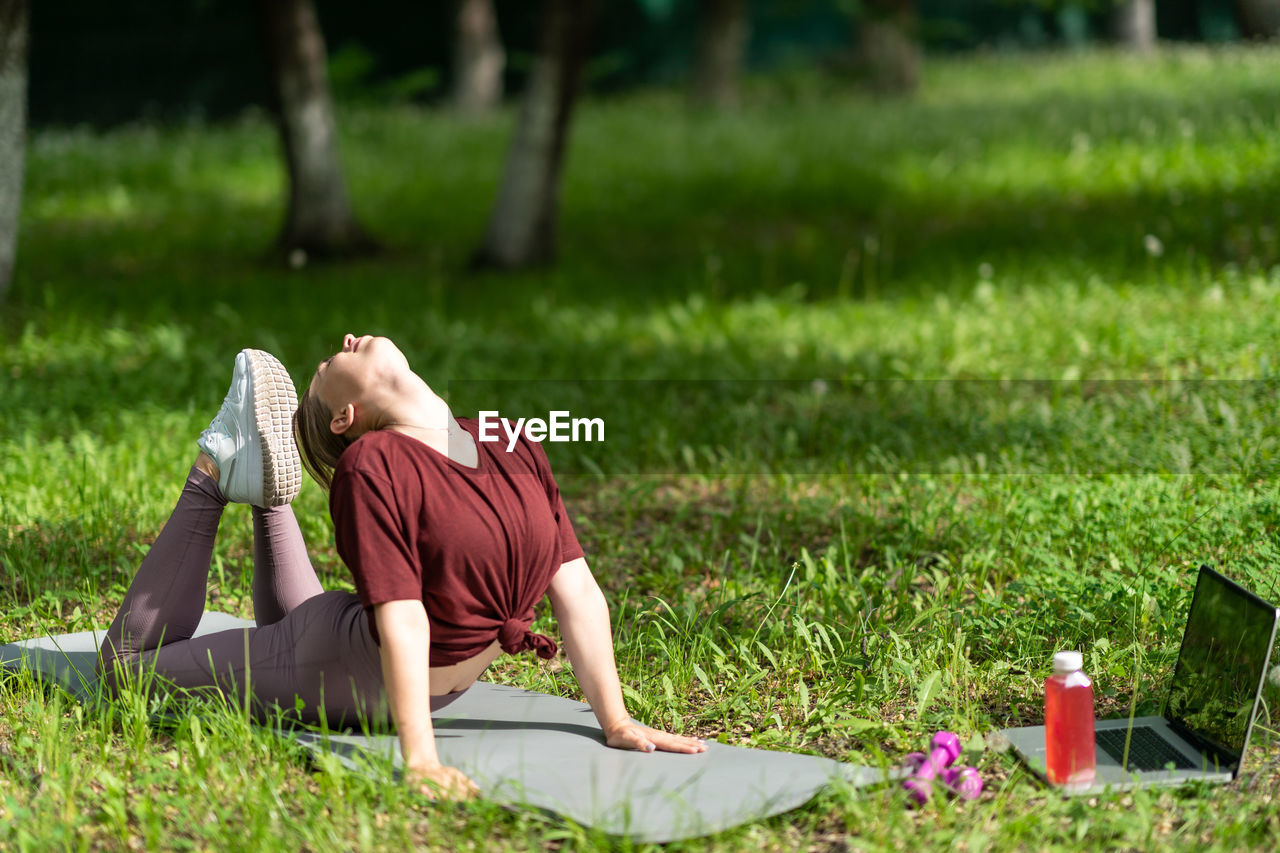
(1221, 664)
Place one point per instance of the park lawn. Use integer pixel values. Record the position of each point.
(901, 397)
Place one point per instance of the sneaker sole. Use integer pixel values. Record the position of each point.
(274, 399)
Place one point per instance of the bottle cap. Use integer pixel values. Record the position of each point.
(1068, 662)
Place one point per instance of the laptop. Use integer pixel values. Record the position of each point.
(1209, 712)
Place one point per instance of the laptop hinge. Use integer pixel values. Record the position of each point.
(1224, 758)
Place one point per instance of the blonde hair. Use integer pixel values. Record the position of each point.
(319, 446)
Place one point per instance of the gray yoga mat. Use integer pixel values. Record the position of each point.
(536, 751)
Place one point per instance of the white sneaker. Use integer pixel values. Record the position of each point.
(251, 437)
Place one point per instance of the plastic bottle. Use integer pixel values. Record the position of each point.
(1069, 746)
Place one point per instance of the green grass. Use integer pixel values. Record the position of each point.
(840, 567)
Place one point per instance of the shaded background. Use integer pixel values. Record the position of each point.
(107, 63)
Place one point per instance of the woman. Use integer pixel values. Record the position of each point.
(450, 542)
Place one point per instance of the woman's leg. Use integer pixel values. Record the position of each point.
(247, 455)
(317, 664)
(310, 655)
(166, 599)
(282, 574)
(319, 649)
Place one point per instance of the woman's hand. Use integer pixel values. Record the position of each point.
(631, 735)
(583, 615)
(440, 782)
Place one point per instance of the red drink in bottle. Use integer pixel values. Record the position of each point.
(1068, 723)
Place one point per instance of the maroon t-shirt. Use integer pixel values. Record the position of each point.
(478, 546)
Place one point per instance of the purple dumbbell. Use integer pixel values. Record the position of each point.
(964, 782)
(945, 750)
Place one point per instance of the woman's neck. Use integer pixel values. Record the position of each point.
(414, 404)
(424, 416)
(417, 411)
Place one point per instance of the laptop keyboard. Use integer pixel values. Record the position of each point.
(1147, 750)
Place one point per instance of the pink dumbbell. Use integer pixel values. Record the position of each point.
(945, 750)
(964, 782)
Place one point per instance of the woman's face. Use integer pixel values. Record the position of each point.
(356, 373)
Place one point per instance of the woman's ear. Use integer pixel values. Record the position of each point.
(343, 419)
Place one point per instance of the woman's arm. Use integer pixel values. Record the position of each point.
(583, 615)
(406, 641)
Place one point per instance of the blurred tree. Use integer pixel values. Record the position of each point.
(888, 45)
(14, 21)
(724, 30)
(522, 228)
(478, 58)
(1133, 24)
(1258, 18)
(319, 222)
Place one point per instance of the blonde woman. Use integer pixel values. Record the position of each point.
(450, 542)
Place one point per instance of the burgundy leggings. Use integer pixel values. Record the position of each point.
(309, 645)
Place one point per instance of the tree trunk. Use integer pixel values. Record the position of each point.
(320, 222)
(1133, 25)
(722, 43)
(14, 22)
(478, 58)
(887, 46)
(522, 228)
(1258, 19)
